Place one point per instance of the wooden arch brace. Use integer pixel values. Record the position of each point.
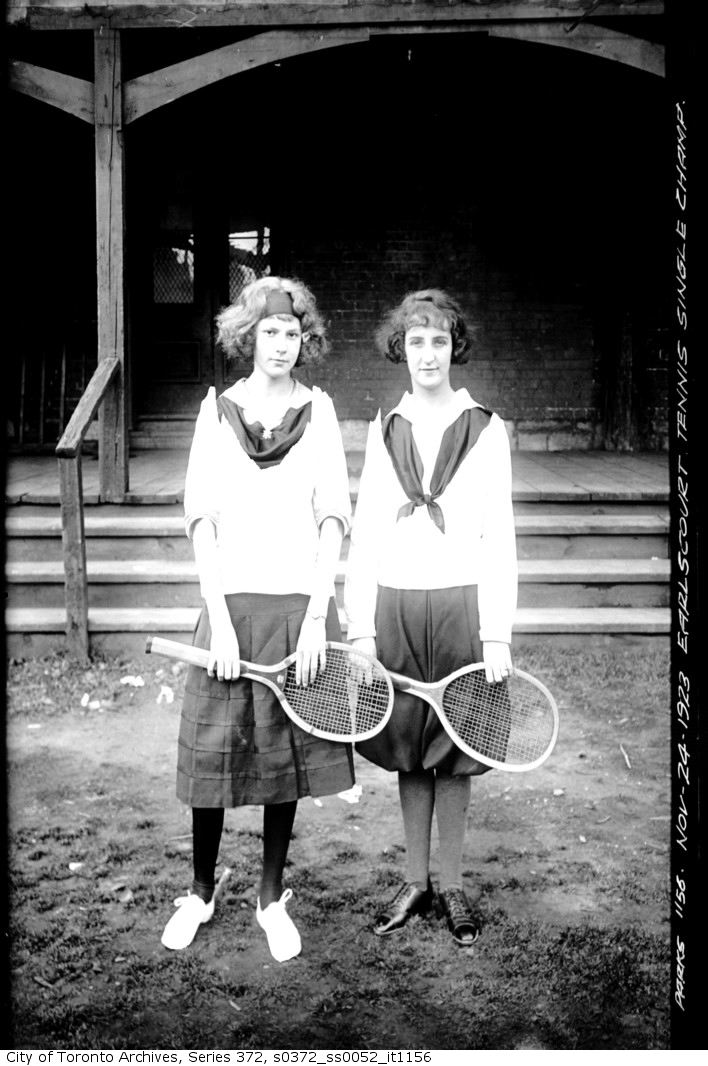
(594, 40)
(150, 91)
(73, 95)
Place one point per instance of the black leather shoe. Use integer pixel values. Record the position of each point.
(408, 900)
(454, 906)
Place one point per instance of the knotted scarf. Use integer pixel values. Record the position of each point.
(271, 450)
(457, 440)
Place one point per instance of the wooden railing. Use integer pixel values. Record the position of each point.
(68, 452)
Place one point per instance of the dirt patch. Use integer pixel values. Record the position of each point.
(567, 867)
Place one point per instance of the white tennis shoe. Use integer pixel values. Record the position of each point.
(283, 938)
(182, 927)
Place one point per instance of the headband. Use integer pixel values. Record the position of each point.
(278, 302)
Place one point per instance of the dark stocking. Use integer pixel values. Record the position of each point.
(452, 797)
(207, 824)
(417, 793)
(278, 821)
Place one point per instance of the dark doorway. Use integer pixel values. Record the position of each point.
(194, 245)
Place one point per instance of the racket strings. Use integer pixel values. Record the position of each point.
(509, 721)
(350, 697)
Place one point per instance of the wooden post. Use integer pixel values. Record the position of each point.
(613, 343)
(110, 252)
(625, 386)
(74, 545)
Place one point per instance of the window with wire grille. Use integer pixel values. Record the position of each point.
(249, 258)
(173, 270)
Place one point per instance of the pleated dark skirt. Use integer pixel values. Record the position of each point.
(236, 744)
(424, 634)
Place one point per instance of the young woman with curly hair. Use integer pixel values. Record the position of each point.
(431, 585)
(266, 506)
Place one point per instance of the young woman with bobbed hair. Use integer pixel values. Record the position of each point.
(431, 585)
(391, 334)
(266, 506)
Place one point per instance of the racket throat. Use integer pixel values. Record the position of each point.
(429, 692)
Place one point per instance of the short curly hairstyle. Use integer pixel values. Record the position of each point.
(236, 324)
(426, 307)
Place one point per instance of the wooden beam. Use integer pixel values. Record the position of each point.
(72, 95)
(74, 551)
(160, 87)
(128, 14)
(110, 254)
(594, 40)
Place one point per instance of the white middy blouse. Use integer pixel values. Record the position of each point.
(267, 519)
(478, 546)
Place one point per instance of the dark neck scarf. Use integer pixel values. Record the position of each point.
(457, 440)
(265, 447)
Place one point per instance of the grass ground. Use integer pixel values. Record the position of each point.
(567, 867)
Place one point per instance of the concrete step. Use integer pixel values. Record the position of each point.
(35, 533)
(103, 549)
(597, 583)
(584, 620)
(149, 583)
(178, 548)
(159, 522)
(37, 631)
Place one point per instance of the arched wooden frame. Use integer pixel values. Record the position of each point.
(151, 91)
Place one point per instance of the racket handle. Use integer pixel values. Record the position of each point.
(187, 653)
(174, 650)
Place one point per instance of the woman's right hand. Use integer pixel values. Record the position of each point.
(224, 655)
(367, 645)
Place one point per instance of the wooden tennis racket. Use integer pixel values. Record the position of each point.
(351, 699)
(510, 724)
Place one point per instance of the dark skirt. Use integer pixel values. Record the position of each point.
(424, 634)
(236, 744)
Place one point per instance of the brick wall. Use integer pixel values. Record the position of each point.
(531, 360)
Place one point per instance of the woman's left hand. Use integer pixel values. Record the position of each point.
(497, 660)
(311, 652)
